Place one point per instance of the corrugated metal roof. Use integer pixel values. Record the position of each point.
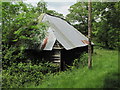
(64, 33)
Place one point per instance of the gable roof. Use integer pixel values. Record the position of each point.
(63, 32)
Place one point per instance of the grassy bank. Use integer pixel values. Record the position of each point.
(103, 74)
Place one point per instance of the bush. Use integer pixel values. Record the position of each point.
(81, 61)
(22, 74)
(84, 59)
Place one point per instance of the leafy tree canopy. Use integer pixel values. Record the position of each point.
(105, 21)
(21, 30)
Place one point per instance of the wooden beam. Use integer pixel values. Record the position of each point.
(60, 61)
(89, 34)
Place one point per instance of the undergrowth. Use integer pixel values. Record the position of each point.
(104, 73)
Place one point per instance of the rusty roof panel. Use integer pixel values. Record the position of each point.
(64, 33)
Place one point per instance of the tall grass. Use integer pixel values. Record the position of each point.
(104, 73)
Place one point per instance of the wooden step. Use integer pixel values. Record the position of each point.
(56, 61)
(56, 55)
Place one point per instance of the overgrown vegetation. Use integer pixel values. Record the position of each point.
(104, 74)
(21, 31)
(24, 74)
(81, 61)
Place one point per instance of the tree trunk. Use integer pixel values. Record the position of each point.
(89, 35)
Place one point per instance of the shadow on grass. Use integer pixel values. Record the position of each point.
(112, 80)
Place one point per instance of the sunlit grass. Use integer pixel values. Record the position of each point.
(105, 63)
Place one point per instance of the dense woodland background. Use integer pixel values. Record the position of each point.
(21, 31)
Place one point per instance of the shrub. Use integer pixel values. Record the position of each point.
(84, 59)
(23, 74)
(81, 61)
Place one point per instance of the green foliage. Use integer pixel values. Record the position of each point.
(105, 21)
(18, 75)
(103, 74)
(20, 31)
(79, 16)
(52, 12)
(81, 61)
(23, 26)
(10, 55)
(84, 59)
(23, 74)
(108, 26)
(41, 7)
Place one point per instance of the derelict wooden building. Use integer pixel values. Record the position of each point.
(63, 43)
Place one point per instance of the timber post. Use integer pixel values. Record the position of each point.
(89, 34)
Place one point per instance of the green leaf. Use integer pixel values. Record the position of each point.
(15, 40)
